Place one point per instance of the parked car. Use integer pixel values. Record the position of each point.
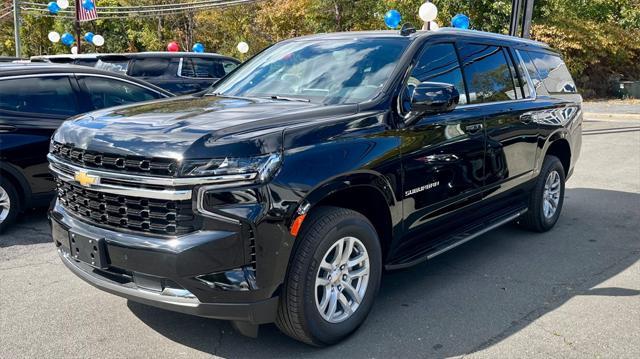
(9, 59)
(282, 194)
(71, 59)
(177, 72)
(34, 100)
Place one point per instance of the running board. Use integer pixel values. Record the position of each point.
(455, 240)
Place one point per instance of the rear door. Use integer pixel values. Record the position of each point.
(31, 109)
(497, 90)
(443, 155)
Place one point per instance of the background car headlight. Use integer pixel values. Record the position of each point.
(260, 167)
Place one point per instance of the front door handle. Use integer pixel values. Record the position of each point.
(7, 128)
(473, 128)
(526, 118)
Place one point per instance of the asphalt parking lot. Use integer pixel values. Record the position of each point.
(572, 292)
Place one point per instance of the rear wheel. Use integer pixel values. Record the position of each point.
(333, 277)
(9, 204)
(545, 202)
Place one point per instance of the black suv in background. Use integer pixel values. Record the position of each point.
(34, 100)
(282, 194)
(178, 72)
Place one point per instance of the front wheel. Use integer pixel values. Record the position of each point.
(9, 204)
(547, 197)
(333, 277)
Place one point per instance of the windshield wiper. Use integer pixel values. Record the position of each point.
(285, 98)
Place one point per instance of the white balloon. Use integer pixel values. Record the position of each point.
(63, 4)
(54, 36)
(98, 40)
(243, 47)
(74, 50)
(428, 11)
(433, 25)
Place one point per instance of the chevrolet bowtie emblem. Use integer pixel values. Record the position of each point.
(85, 179)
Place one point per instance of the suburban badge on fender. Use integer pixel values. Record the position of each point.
(85, 179)
(422, 188)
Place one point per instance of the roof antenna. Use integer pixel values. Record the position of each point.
(407, 29)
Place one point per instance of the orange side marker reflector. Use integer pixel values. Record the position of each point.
(297, 223)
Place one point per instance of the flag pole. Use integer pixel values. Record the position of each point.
(77, 26)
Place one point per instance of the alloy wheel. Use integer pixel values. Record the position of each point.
(551, 194)
(342, 278)
(5, 204)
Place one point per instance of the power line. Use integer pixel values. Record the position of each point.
(143, 13)
(153, 10)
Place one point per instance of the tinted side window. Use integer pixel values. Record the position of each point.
(522, 74)
(150, 67)
(204, 68)
(439, 63)
(553, 71)
(487, 73)
(49, 95)
(106, 92)
(533, 73)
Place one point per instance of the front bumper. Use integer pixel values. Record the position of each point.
(255, 313)
(167, 272)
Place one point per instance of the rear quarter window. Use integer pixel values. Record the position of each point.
(553, 72)
(206, 68)
(150, 67)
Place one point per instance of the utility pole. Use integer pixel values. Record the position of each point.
(516, 11)
(526, 19)
(16, 27)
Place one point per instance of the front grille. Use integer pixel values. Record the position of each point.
(137, 214)
(129, 164)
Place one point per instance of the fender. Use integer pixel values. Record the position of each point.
(363, 178)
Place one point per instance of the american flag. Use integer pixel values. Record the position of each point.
(83, 14)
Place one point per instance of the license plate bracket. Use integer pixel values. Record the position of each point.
(89, 250)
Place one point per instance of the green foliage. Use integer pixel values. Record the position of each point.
(599, 38)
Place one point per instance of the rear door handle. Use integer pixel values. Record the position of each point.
(473, 128)
(7, 128)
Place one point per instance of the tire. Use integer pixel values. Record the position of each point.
(299, 313)
(538, 218)
(9, 204)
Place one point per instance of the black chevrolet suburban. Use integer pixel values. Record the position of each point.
(283, 193)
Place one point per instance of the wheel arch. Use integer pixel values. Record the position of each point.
(368, 193)
(21, 185)
(559, 146)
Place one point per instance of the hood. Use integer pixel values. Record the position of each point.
(193, 127)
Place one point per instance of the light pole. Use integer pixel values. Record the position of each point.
(16, 27)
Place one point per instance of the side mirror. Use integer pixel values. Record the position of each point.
(434, 97)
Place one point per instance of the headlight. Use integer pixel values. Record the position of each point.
(260, 168)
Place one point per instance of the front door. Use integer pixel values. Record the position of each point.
(443, 156)
(31, 109)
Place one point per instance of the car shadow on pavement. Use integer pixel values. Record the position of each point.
(465, 300)
(31, 227)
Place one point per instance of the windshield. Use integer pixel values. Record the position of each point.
(331, 71)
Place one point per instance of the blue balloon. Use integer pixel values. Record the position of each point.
(89, 36)
(392, 19)
(460, 21)
(53, 7)
(88, 5)
(67, 39)
(198, 47)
